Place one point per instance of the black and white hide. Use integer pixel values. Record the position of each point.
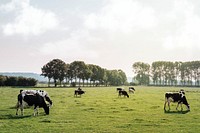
(131, 89)
(178, 97)
(119, 89)
(31, 100)
(42, 93)
(124, 93)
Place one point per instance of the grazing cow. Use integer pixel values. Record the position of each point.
(123, 92)
(31, 100)
(78, 92)
(131, 89)
(42, 93)
(176, 97)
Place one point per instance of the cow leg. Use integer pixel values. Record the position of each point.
(181, 107)
(22, 109)
(75, 94)
(165, 105)
(35, 111)
(177, 106)
(168, 101)
(17, 111)
(17, 106)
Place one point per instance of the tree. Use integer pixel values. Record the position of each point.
(87, 74)
(94, 70)
(77, 70)
(55, 69)
(142, 71)
(122, 76)
(2, 80)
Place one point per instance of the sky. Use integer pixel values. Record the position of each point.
(113, 34)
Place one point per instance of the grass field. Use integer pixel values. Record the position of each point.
(100, 110)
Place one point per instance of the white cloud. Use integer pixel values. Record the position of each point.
(122, 16)
(15, 5)
(28, 20)
(185, 32)
(71, 48)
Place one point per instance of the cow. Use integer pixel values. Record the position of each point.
(176, 97)
(123, 92)
(131, 89)
(31, 100)
(42, 93)
(78, 92)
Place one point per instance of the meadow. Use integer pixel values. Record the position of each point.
(100, 110)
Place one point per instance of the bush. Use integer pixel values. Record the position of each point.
(11, 81)
(2, 80)
(17, 81)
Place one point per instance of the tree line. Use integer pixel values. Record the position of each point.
(81, 74)
(17, 81)
(168, 73)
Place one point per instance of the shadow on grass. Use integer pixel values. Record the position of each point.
(176, 112)
(9, 116)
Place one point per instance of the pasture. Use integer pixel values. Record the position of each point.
(100, 110)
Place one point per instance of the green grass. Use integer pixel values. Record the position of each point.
(100, 110)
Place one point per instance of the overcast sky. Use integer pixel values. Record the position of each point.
(110, 33)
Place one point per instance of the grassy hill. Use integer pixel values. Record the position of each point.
(101, 110)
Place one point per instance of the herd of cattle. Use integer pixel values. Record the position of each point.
(39, 99)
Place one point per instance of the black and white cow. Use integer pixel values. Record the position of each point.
(31, 100)
(176, 97)
(123, 92)
(78, 92)
(131, 89)
(42, 93)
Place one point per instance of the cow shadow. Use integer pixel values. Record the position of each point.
(5, 116)
(10, 116)
(176, 112)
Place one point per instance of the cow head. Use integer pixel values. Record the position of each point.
(48, 100)
(184, 100)
(188, 107)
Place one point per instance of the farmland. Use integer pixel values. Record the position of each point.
(101, 110)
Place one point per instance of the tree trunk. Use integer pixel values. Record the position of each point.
(49, 82)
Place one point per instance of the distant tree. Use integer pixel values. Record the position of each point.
(2, 80)
(31, 81)
(22, 81)
(47, 71)
(116, 77)
(122, 77)
(11, 81)
(77, 70)
(55, 69)
(105, 77)
(86, 74)
(93, 68)
(142, 71)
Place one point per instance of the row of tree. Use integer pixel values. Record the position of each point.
(81, 73)
(17, 81)
(168, 73)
